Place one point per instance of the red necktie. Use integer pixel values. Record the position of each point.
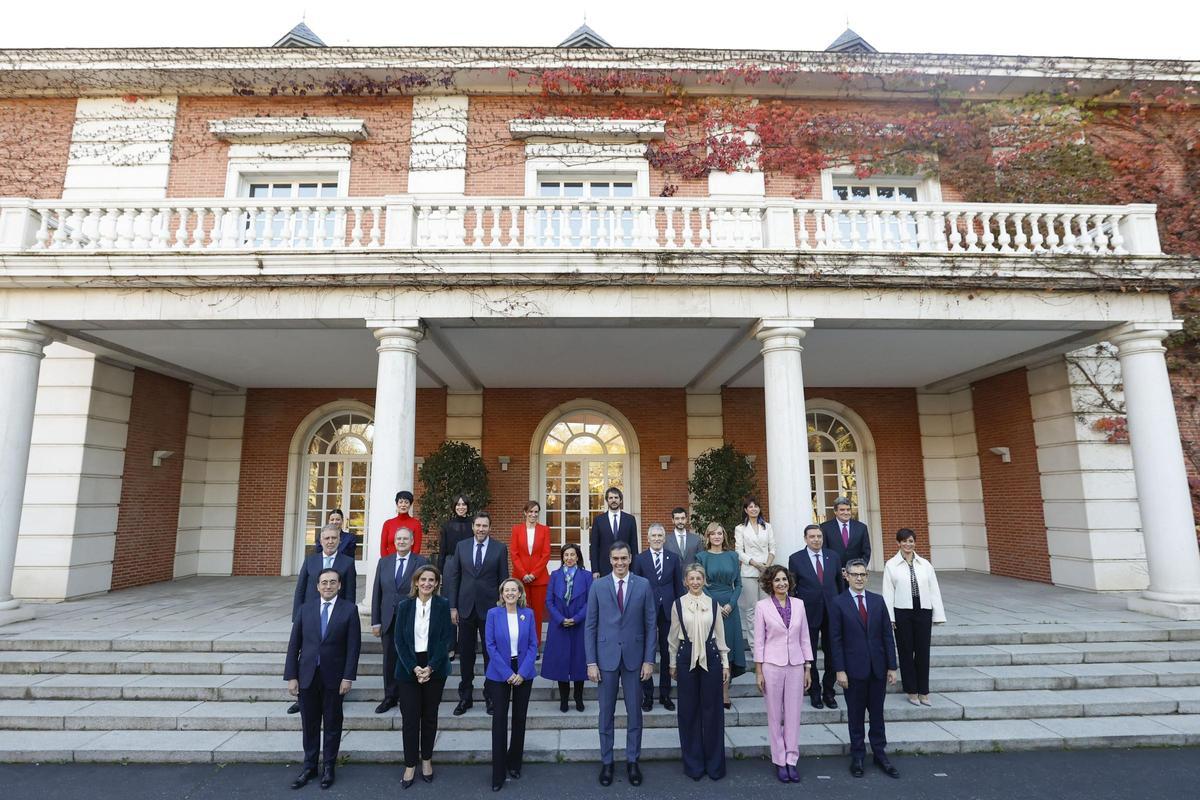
(820, 571)
(862, 609)
(621, 596)
(845, 534)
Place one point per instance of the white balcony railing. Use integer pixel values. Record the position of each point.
(504, 223)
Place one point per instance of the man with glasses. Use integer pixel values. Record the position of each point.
(864, 657)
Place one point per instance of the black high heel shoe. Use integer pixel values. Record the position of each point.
(407, 783)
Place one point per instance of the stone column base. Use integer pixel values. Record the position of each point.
(1160, 608)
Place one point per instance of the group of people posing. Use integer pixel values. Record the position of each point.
(695, 603)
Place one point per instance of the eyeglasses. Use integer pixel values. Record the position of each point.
(857, 574)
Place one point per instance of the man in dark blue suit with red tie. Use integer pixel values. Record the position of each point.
(664, 571)
(864, 655)
(817, 570)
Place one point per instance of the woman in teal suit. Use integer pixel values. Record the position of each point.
(724, 573)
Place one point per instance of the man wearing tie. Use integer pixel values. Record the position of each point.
(816, 571)
(473, 580)
(681, 541)
(393, 581)
(306, 581)
(322, 663)
(664, 571)
(847, 537)
(612, 526)
(864, 655)
(623, 607)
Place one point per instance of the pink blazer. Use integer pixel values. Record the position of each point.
(775, 644)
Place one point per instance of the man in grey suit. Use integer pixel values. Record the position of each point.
(681, 541)
(393, 580)
(622, 605)
(473, 579)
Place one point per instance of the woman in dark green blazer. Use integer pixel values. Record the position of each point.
(423, 637)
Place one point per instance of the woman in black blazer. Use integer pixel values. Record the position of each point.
(423, 637)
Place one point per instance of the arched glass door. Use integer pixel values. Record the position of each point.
(835, 464)
(337, 470)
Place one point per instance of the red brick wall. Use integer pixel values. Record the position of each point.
(272, 416)
(658, 417)
(1012, 493)
(35, 135)
(148, 520)
(891, 417)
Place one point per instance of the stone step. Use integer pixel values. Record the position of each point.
(541, 746)
(747, 711)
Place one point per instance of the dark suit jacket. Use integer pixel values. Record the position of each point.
(472, 592)
(441, 638)
(816, 595)
(861, 652)
(670, 587)
(385, 594)
(860, 540)
(310, 570)
(602, 538)
(338, 651)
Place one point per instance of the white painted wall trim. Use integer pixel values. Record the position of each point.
(280, 129)
(953, 486)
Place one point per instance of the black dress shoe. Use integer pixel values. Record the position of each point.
(667, 704)
(563, 705)
(497, 786)
(387, 704)
(462, 707)
(634, 772)
(606, 774)
(648, 705)
(579, 704)
(294, 708)
(886, 767)
(303, 778)
(856, 768)
(491, 709)
(515, 774)
(405, 784)
(327, 778)
(817, 702)
(830, 702)
(427, 778)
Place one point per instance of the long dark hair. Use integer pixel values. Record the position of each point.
(454, 502)
(762, 518)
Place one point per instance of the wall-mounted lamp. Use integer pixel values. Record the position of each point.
(504, 461)
(1005, 455)
(420, 461)
(158, 457)
(751, 458)
(664, 460)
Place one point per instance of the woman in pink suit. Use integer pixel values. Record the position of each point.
(530, 548)
(782, 657)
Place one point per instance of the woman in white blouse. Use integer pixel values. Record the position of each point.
(754, 542)
(914, 602)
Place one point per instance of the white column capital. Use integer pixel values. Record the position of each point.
(1143, 337)
(397, 334)
(782, 333)
(24, 337)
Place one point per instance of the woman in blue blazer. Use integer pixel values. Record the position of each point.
(563, 659)
(423, 636)
(510, 636)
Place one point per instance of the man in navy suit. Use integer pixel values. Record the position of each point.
(847, 537)
(817, 571)
(612, 526)
(864, 655)
(664, 571)
(621, 605)
(322, 663)
(328, 558)
(393, 581)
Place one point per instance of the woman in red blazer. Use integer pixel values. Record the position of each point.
(530, 548)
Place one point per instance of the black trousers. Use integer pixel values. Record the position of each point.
(507, 753)
(470, 631)
(664, 662)
(391, 686)
(818, 637)
(863, 696)
(701, 714)
(913, 629)
(321, 707)
(419, 712)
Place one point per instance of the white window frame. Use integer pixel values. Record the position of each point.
(242, 173)
(929, 189)
(581, 161)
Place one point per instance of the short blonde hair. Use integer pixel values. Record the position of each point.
(520, 589)
(712, 528)
(695, 566)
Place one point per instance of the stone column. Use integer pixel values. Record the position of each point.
(394, 448)
(21, 345)
(1168, 526)
(788, 482)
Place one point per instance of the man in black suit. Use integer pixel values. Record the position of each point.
(864, 655)
(322, 663)
(473, 579)
(847, 537)
(612, 526)
(393, 580)
(328, 558)
(817, 571)
(664, 571)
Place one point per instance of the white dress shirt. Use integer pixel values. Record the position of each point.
(529, 534)
(514, 631)
(421, 625)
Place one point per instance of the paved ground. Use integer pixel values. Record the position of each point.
(1078, 775)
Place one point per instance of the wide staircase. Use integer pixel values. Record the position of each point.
(1085, 677)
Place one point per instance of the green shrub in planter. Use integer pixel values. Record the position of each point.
(721, 480)
(454, 468)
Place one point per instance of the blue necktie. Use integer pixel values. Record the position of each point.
(478, 556)
(400, 572)
(328, 562)
(324, 618)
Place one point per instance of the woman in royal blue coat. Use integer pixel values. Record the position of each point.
(563, 659)
(510, 635)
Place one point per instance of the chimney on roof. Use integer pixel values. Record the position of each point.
(584, 37)
(300, 36)
(850, 42)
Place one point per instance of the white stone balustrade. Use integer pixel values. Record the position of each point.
(501, 223)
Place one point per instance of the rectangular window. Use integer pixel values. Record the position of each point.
(896, 230)
(294, 222)
(585, 225)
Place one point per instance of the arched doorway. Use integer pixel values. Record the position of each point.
(335, 473)
(841, 457)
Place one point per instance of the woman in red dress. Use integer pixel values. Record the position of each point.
(530, 548)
